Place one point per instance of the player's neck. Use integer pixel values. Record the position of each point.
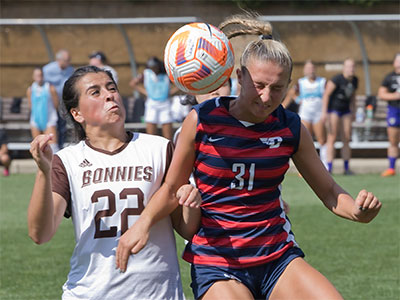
(107, 140)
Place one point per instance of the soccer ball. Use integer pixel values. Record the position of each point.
(198, 58)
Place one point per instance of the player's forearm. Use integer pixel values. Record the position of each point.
(41, 210)
(340, 202)
(186, 221)
(162, 203)
(386, 96)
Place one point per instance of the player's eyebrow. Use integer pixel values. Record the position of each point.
(95, 86)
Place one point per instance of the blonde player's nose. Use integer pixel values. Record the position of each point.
(265, 95)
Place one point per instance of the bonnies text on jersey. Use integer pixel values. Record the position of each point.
(115, 174)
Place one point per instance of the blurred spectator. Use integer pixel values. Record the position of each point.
(5, 158)
(308, 92)
(43, 103)
(99, 60)
(178, 109)
(390, 91)
(339, 109)
(155, 85)
(57, 72)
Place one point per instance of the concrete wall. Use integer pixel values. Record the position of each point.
(22, 48)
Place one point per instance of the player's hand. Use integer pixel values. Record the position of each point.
(367, 206)
(41, 152)
(135, 81)
(131, 242)
(189, 196)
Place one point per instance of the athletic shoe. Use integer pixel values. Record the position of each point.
(388, 172)
(6, 172)
(348, 172)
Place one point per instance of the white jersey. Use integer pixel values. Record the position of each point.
(106, 192)
(310, 98)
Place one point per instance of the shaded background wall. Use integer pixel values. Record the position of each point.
(327, 43)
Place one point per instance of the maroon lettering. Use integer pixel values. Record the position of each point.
(148, 173)
(138, 173)
(121, 174)
(98, 175)
(109, 175)
(86, 178)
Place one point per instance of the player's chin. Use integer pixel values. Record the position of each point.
(116, 117)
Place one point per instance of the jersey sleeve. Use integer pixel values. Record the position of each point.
(294, 124)
(386, 81)
(60, 182)
(336, 79)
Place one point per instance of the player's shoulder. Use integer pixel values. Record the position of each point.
(219, 102)
(286, 115)
(337, 77)
(392, 75)
(149, 140)
(71, 149)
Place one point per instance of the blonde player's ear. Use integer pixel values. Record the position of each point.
(239, 75)
(76, 114)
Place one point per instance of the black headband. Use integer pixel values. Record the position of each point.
(266, 37)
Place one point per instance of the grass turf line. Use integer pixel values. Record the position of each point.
(361, 260)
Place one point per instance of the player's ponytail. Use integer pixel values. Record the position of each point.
(264, 47)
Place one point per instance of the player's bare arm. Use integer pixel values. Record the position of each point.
(186, 217)
(290, 96)
(384, 94)
(164, 201)
(46, 208)
(362, 209)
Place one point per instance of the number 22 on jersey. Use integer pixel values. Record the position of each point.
(111, 198)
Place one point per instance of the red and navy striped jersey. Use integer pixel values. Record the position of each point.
(238, 170)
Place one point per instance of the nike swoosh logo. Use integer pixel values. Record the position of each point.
(211, 140)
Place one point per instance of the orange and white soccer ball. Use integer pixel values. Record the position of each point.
(199, 58)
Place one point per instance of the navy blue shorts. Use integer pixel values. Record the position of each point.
(260, 280)
(393, 116)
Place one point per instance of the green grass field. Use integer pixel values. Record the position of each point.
(362, 260)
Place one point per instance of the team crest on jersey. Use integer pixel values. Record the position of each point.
(272, 142)
(85, 163)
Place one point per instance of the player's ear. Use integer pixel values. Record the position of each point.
(76, 114)
(239, 75)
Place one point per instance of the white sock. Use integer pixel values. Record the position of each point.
(323, 154)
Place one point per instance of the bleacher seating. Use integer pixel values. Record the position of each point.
(14, 119)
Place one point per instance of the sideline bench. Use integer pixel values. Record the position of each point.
(366, 136)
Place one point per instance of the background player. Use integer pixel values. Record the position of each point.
(104, 182)
(5, 158)
(43, 104)
(239, 150)
(309, 91)
(57, 72)
(339, 108)
(390, 91)
(155, 85)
